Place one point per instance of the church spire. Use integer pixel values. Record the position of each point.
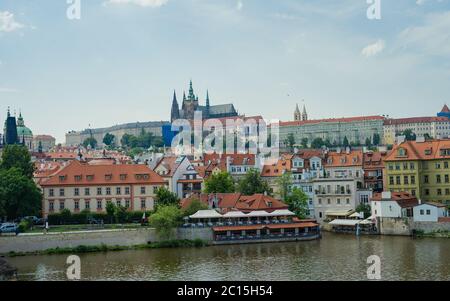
(191, 95)
(297, 114)
(175, 113)
(208, 105)
(304, 114)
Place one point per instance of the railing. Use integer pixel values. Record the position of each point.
(236, 224)
(265, 236)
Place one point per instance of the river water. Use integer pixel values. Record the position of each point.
(334, 257)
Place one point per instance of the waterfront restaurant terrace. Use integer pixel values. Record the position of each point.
(256, 226)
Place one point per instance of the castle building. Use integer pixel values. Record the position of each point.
(190, 105)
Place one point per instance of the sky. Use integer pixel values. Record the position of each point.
(121, 61)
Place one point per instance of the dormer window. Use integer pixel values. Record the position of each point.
(62, 178)
(108, 177)
(90, 177)
(428, 152)
(445, 152)
(78, 178)
(401, 152)
(123, 177)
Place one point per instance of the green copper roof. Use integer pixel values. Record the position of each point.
(24, 131)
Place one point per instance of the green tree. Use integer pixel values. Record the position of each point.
(290, 141)
(92, 142)
(19, 157)
(165, 220)
(253, 183)
(298, 203)
(19, 195)
(409, 135)
(221, 182)
(110, 210)
(368, 142)
(304, 142)
(365, 208)
(194, 206)
(317, 143)
(284, 182)
(120, 214)
(164, 197)
(65, 215)
(376, 139)
(109, 139)
(345, 143)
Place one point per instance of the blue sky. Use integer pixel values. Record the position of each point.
(122, 60)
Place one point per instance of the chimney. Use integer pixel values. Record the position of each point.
(386, 195)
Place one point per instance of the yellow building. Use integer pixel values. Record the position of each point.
(421, 168)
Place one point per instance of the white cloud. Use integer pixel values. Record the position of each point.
(239, 5)
(8, 23)
(432, 37)
(143, 3)
(374, 49)
(7, 90)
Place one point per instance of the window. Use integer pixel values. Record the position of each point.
(398, 180)
(412, 166)
(338, 201)
(127, 203)
(99, 191)
(447, 191)
(61, 205)
(438, 179)
(143, 204)
(328, 201)
(51, 206)
(347, 201)
(51, 192)
(108, 190)
(438, 165)
(422, 212)
(127, 190)
(61, 192)
(428, 212)
(427, 191)
(320, 215)
(143, 190)
(77, 178)
(77, 205)
(446, 179)
(446, 164)
(87, 205)
(413, 180)
(118, 190)
(155, 189)
(439, 191)
(406, 180)
(87, 191)
(405, 165)
(320, 201)
(76, 191)
(119, 203)
(426, 179)
(413, 192)
(99, 205)
(391, 180)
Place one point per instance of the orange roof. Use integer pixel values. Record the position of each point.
(428, 150)
(77, 173)
(236, 201)
(415, 120)
(235, 159)
(277, 169)
(445, 109)
(353, 158)
(332, 120)
(170, 164)
(404, 199)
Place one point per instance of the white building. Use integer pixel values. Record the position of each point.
(430, 212)
(393, 205)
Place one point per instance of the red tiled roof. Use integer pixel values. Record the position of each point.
(170, 164)
(428, 150)
(404, 199)
(445, 109)
(353, 158)
(415, 120)
(235, 159)
(118, 174)
(332, 120)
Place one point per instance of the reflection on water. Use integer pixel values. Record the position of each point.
(335, 257)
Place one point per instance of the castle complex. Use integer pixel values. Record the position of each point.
(191, 105)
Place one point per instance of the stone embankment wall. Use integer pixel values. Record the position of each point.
(122, 237)
(394, 226)
(429, 227)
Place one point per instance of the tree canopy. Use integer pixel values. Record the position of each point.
(298, 203)
(253, 183)
(193, 207)
(284, 182)
(92, 142)
(109, 139)
(19, 157)
(221, 182)
(164, 197)
(165, 220)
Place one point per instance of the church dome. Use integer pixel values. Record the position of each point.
(22, 130)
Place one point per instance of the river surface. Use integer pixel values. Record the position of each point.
(334, 257)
